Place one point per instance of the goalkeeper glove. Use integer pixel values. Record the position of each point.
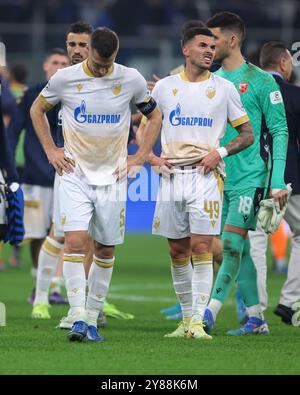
(270, 215)
(14, 214)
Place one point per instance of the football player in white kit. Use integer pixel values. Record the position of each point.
(95, 97)
(50, 257)
(196, 106)
(49, 260)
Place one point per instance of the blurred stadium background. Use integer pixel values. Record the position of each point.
(149, 33)
(149, 29)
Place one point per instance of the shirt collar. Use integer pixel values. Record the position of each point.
(205, 76)
(273, 72)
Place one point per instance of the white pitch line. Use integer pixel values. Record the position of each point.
(113, 294)
(135, 286)
(139, 298)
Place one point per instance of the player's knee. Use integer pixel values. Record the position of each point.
(103, 251)
(246, 249)
(201, 245)
(217, 250)
(179, 252)
(230, 247)
(75, 244)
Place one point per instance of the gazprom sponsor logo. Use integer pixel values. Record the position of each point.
(81, 116)
(176, 120)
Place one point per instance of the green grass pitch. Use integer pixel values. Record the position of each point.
(141, 285)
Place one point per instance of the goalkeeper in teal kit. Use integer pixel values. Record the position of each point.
(248, 172)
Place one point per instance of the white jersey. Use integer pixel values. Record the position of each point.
(195, 115)
(96, 116)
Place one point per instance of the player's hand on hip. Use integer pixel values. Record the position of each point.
(161, 165)
(210, 161)
(280, 197)
(134, 163)
(60, 161)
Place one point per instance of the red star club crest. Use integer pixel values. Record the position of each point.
(243, 86)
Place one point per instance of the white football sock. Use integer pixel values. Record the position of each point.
(182, 272)
(201, 283)
(215, 306)
(255, 311)
(98, 281)
(47, 263)
(56, 284)
(74, 275)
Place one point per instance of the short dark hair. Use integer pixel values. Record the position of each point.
(271, 52)
(105, 41)
(190, 24)
(19, 72)
(80, 27)
(226, 20)
(57, 51)
(189, 34)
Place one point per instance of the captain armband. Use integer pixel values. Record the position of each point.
(147, 106)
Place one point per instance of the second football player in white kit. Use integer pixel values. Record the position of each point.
(196, 106)
(95, 97)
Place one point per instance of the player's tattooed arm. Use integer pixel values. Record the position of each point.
(242, 141)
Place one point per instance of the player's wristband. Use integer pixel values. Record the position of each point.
(223, 152)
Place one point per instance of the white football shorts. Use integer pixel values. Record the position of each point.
(38, 209)
(57, 226)
(98, 209)
(188, 202)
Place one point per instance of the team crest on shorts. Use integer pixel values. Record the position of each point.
(117, 87)
(243, 86)
(156, 223)
(63, 219)
(210, 92)
(79, 87)
(122, 221)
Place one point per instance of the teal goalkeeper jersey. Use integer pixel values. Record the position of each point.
(261, 97)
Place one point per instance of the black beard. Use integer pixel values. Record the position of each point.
(220, 58)
(202, 67)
